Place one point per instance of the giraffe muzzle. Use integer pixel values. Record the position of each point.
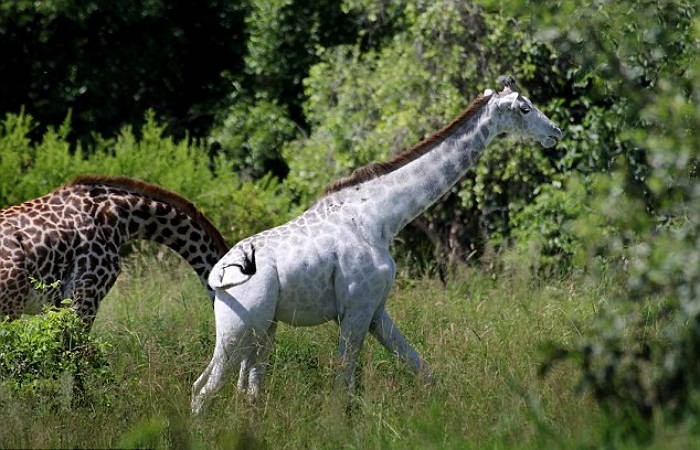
(552, 139)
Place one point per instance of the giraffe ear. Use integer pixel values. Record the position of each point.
(488, 92)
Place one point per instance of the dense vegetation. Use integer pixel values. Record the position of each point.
(251, 108)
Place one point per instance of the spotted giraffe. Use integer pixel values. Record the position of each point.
(333, 262)
(73, 236)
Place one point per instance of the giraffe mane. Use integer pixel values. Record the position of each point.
(159, 193)
(377, 169)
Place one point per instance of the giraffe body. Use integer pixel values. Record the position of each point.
(333, 262)
(73, 235)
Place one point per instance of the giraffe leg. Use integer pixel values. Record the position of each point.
(95, 272)
(261, 363)
(246, 364)
(87, 293)
(227, 353)
(233, 348)
(242, 313)
(14, 291)
(388, 334)
(254, 366)
(353, 329)
(14, 279)
(202, 379)
(362, 288)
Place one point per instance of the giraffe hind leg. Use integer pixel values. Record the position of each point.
(243, 315)
(254, 366)
(257, 370)
(227, 356)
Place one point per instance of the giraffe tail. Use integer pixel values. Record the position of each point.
(236, 267)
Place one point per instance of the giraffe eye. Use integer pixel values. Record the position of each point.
(525, 109)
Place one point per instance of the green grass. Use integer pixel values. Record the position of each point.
(482, 335)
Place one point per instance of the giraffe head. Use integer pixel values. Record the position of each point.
(517, 115)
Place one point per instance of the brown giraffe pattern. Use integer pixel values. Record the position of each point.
(73, 235)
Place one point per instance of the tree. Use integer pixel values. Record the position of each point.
(110, 61)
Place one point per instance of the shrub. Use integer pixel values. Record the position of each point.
(543, 229)
(48, 354)
(643, 356)
(251, 137)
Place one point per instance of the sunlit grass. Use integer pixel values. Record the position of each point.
(481, 333)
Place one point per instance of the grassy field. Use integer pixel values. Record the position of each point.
(481, 333)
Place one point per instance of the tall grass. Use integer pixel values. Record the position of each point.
(481, 333)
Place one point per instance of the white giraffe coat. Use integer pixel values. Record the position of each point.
(333, 263)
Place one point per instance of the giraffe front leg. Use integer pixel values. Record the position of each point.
(15, 286)
(93, 276)
(388, 334)
(353, 329)
(86, 296)
(14, 291)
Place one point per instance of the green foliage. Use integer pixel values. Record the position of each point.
(37, 353)
(34, 168)
(111, 61)
(364, 105)
(543, 229)
(284, 37)
(253, 206)
(264, 112)
(652, 237)
(239, 208)
(251, 136)
(150, 433)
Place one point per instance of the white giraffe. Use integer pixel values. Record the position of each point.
(333, 263)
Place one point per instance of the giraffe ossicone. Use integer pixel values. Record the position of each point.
(71, 238)
(333, 263)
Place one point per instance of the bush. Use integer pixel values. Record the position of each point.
(643, 356)
(284, 39)
(543, 229)
(253, 206)
(51, 354)
(251, 136)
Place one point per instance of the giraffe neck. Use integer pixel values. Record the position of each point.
(125, 216)
(392, 200)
